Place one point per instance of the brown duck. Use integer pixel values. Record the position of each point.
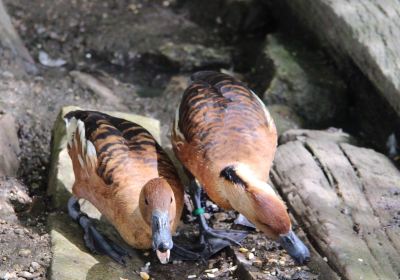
(121, 169)
(226, 139)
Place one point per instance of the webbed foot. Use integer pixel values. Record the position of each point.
(94, 240)
(211, 243)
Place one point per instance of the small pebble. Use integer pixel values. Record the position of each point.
(210, 275)
(191, 276)
(24, 252)
(233, 268)
(35, 265)
(273, 261)
(250, 256)
(144, 275)
(257, 263)
(19, 231)
(212, 270)
(325, 259)
(26, 275)
(243, 250)
(360, 260)
(166, 3)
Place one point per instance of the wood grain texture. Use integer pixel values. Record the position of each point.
(366, 31)
(344, 197)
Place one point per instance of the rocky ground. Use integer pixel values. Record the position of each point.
(136, 56)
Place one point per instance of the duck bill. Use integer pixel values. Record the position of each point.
(162, 239)
(295, 247)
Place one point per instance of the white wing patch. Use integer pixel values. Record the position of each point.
(176, 129)
(76, 133)
(270, 120)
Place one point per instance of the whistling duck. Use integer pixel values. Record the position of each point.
(121, 169)
(226, 139)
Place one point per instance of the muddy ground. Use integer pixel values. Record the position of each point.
(144, 51)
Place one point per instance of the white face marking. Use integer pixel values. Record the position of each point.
(244, 172)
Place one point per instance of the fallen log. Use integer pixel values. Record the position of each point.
(346, 198)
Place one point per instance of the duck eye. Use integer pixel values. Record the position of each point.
(145, 201)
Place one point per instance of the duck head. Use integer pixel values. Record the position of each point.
(259, 203)
(158, 208)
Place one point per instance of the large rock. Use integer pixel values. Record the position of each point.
(366, 32)
(9, 146)
(14, 199)
(71, 260)
(347, 199)
(300, 78)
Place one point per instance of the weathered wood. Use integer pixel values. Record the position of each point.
(343, 197)
(381, 182)
(366, 31)
(331, 134)
(10, 39)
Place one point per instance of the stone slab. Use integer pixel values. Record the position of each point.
(72, 261)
